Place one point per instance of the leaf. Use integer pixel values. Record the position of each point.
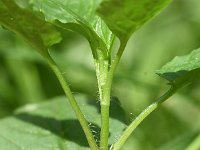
(53, 125)
(79, 16)
(182, 69)
(124, 17)
(25, 23)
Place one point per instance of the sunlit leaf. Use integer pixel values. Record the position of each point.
(182, 69)
(79, 16)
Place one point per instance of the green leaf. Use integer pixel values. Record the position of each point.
(79, 16)
(182, 69)
(53, 125)
(124, 17)
(25, 23)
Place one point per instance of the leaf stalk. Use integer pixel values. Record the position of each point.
(75, 107)
(141, 117)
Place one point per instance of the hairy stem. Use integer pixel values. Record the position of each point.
(105, 91)
(141, 117)
(101, 71)
(74, 104)
(104, 127)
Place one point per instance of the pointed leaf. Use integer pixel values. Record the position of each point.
(23, 22)
(79, 16)
(182, 70)
(53, 125)
(124, 17)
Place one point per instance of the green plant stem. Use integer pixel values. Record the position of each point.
(74, 104)
(114, 66)
(104, 127)
(105, 99)
(101, 71)
(141, 117)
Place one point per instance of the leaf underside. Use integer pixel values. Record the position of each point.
(182, 69)
(25, 23)
(79, 16)
(53, 125)
(122, 17)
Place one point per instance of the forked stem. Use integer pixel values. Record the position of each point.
(141, 117)
(105, 97)
(75, 107)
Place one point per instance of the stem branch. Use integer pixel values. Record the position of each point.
(141, 117)
(105, 98)
(74, 104)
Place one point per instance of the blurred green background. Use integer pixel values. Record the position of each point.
(26, 78)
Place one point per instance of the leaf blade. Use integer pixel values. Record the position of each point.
(23, 22)
(125, 17)
(53, 125)
(79, 16)
(182, 69)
